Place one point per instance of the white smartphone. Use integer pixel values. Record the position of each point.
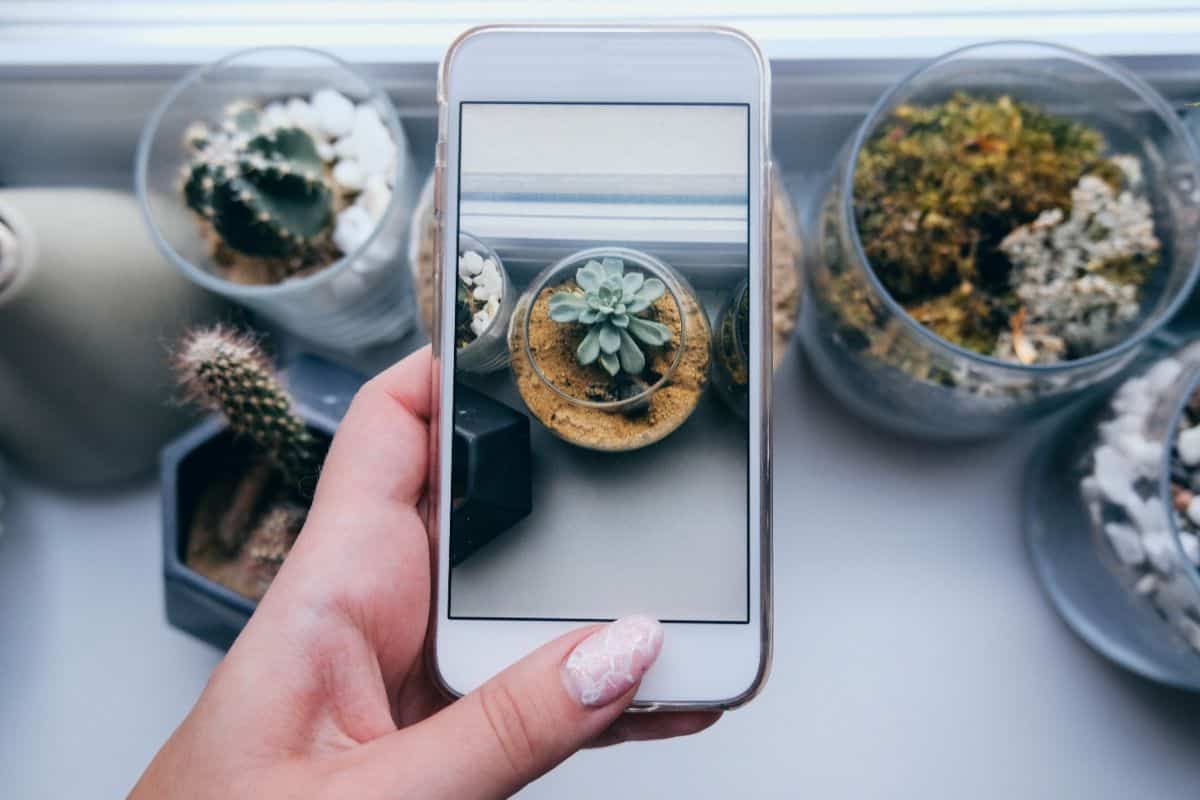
(602, 352)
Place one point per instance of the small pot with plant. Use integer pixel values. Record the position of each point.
(483, 303)
(297, 175)
(998, 238)
(236, 488)
(610, 349)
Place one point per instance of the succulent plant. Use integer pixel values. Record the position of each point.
(263, 189)
(228, 373)
(608, 301)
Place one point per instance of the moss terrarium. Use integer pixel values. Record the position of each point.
(610, 349)
(996, 239)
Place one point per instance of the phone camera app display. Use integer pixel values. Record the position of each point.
(600, 314)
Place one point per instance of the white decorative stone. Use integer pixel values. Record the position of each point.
(275, 115)
(1126, 543)
(352, 229)
(300, 113)
(325, 150)
(1160, 550)
(349, 175)
(1115, 476)
(1189, 446)
(373, 144)
(488, 283)
(375, 196)
(470, 264)
(334, 112)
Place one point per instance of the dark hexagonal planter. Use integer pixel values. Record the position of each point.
(195, 604)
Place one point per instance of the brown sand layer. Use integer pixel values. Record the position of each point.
(553, 346)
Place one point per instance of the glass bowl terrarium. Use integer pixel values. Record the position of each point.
(610, 349)
(1006, 229)
(280, 178)
(1112, 521)
(483, 301)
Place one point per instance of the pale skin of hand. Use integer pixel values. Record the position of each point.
(327, 694)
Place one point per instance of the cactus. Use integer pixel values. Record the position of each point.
(608, 302)
(228, 373)
(263, 190)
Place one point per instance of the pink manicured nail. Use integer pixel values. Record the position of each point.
(605, 665)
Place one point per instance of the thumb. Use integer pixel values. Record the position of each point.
(527, 719)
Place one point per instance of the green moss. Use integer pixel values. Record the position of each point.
(938, 187)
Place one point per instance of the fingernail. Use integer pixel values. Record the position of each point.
(605, 665)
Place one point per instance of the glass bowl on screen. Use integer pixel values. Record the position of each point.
(610, 349)
(483, 303)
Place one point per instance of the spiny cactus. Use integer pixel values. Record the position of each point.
(263, 190)
(608, 302)
(226, 372)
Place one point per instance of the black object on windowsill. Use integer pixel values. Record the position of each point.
(490, 476)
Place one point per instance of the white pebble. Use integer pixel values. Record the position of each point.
(1147, 584)
(470, 264)
(1115, 476)
(349, 175)
(375, 196)
(488, 283)
(1189, 446)
(353, 228)
(1125, 543)
(275, 115)
(344, 147)
(1160, 550)
(480, 322)
(334, 112)
(372, 141)
(300, 113)
(325, 150)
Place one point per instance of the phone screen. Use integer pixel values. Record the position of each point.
(602, 362)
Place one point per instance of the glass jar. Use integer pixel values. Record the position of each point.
(362, 297)
(585, 406)
(1104, 538)
(488, 351)
(731, 352)
(880, 362)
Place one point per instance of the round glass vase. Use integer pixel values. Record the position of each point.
(898, 374)
(731, 352)
(488, 351)
(1102, 532)
(360, 298)
(584, 405)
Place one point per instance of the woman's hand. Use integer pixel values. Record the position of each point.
(326, 693)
